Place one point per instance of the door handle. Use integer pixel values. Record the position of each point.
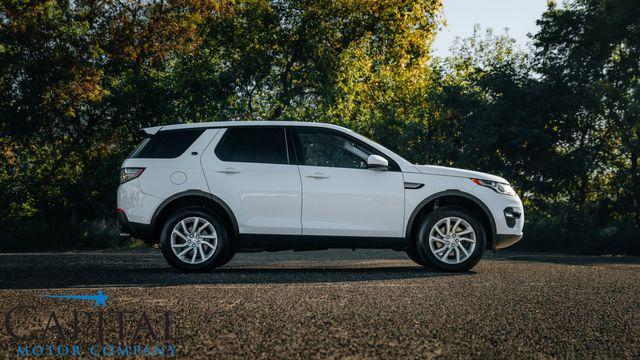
(229, 170)
(317, 175)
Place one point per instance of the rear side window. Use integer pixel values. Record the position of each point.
(139, 148)
(167, 144)
(254, 144)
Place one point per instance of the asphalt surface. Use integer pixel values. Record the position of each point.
(334, 304)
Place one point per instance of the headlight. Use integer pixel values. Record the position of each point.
(127, 174)
(500, 188)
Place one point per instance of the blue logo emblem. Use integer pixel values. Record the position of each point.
(99, 299)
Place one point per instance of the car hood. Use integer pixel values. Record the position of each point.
(449, 171)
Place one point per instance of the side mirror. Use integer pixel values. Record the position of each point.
(377, 162)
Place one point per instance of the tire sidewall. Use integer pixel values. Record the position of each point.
(225, 260)
(422, 241)
(412, 253)
(221, 231)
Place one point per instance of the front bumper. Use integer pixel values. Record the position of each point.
(508, 216)
(501, 241)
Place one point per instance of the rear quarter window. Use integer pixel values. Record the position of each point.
(167, 144)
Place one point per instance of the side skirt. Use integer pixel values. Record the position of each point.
(266, 242)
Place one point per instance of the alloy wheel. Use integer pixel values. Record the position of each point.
(194, 240)
(452, 240)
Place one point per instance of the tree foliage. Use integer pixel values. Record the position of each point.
(79, 78)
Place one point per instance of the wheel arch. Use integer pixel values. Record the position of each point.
(190, 198)
(451, 197)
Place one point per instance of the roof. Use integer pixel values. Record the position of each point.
(220, 124)
(404, 164)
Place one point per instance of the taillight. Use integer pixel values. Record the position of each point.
(127, 174)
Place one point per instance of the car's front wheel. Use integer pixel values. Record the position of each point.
(227, 258)
(194, 239)
(412, 253)
(451, 239)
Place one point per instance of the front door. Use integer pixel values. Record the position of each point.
(341, 196)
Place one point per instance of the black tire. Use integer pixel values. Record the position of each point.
(427, 255)
(221, 250)
(412, 253)
(227, 258)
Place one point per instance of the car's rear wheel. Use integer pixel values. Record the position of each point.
(194, 239)
(451, 239)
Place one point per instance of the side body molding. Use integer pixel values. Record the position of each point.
(198, 193)
(450, 192)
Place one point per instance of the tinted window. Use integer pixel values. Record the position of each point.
(139, 148)
(168, 144)
(255, 144)
(319, 147)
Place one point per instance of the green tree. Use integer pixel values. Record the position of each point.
(589, 51)
(69, 70)
(78, 78)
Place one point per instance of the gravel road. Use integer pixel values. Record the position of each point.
(330, 304)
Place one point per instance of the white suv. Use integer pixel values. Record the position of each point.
(206, 191)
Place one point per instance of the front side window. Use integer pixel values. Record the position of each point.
(320, 147)
(253, 144)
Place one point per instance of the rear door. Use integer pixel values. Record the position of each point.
(341, 196)
(250, 169)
